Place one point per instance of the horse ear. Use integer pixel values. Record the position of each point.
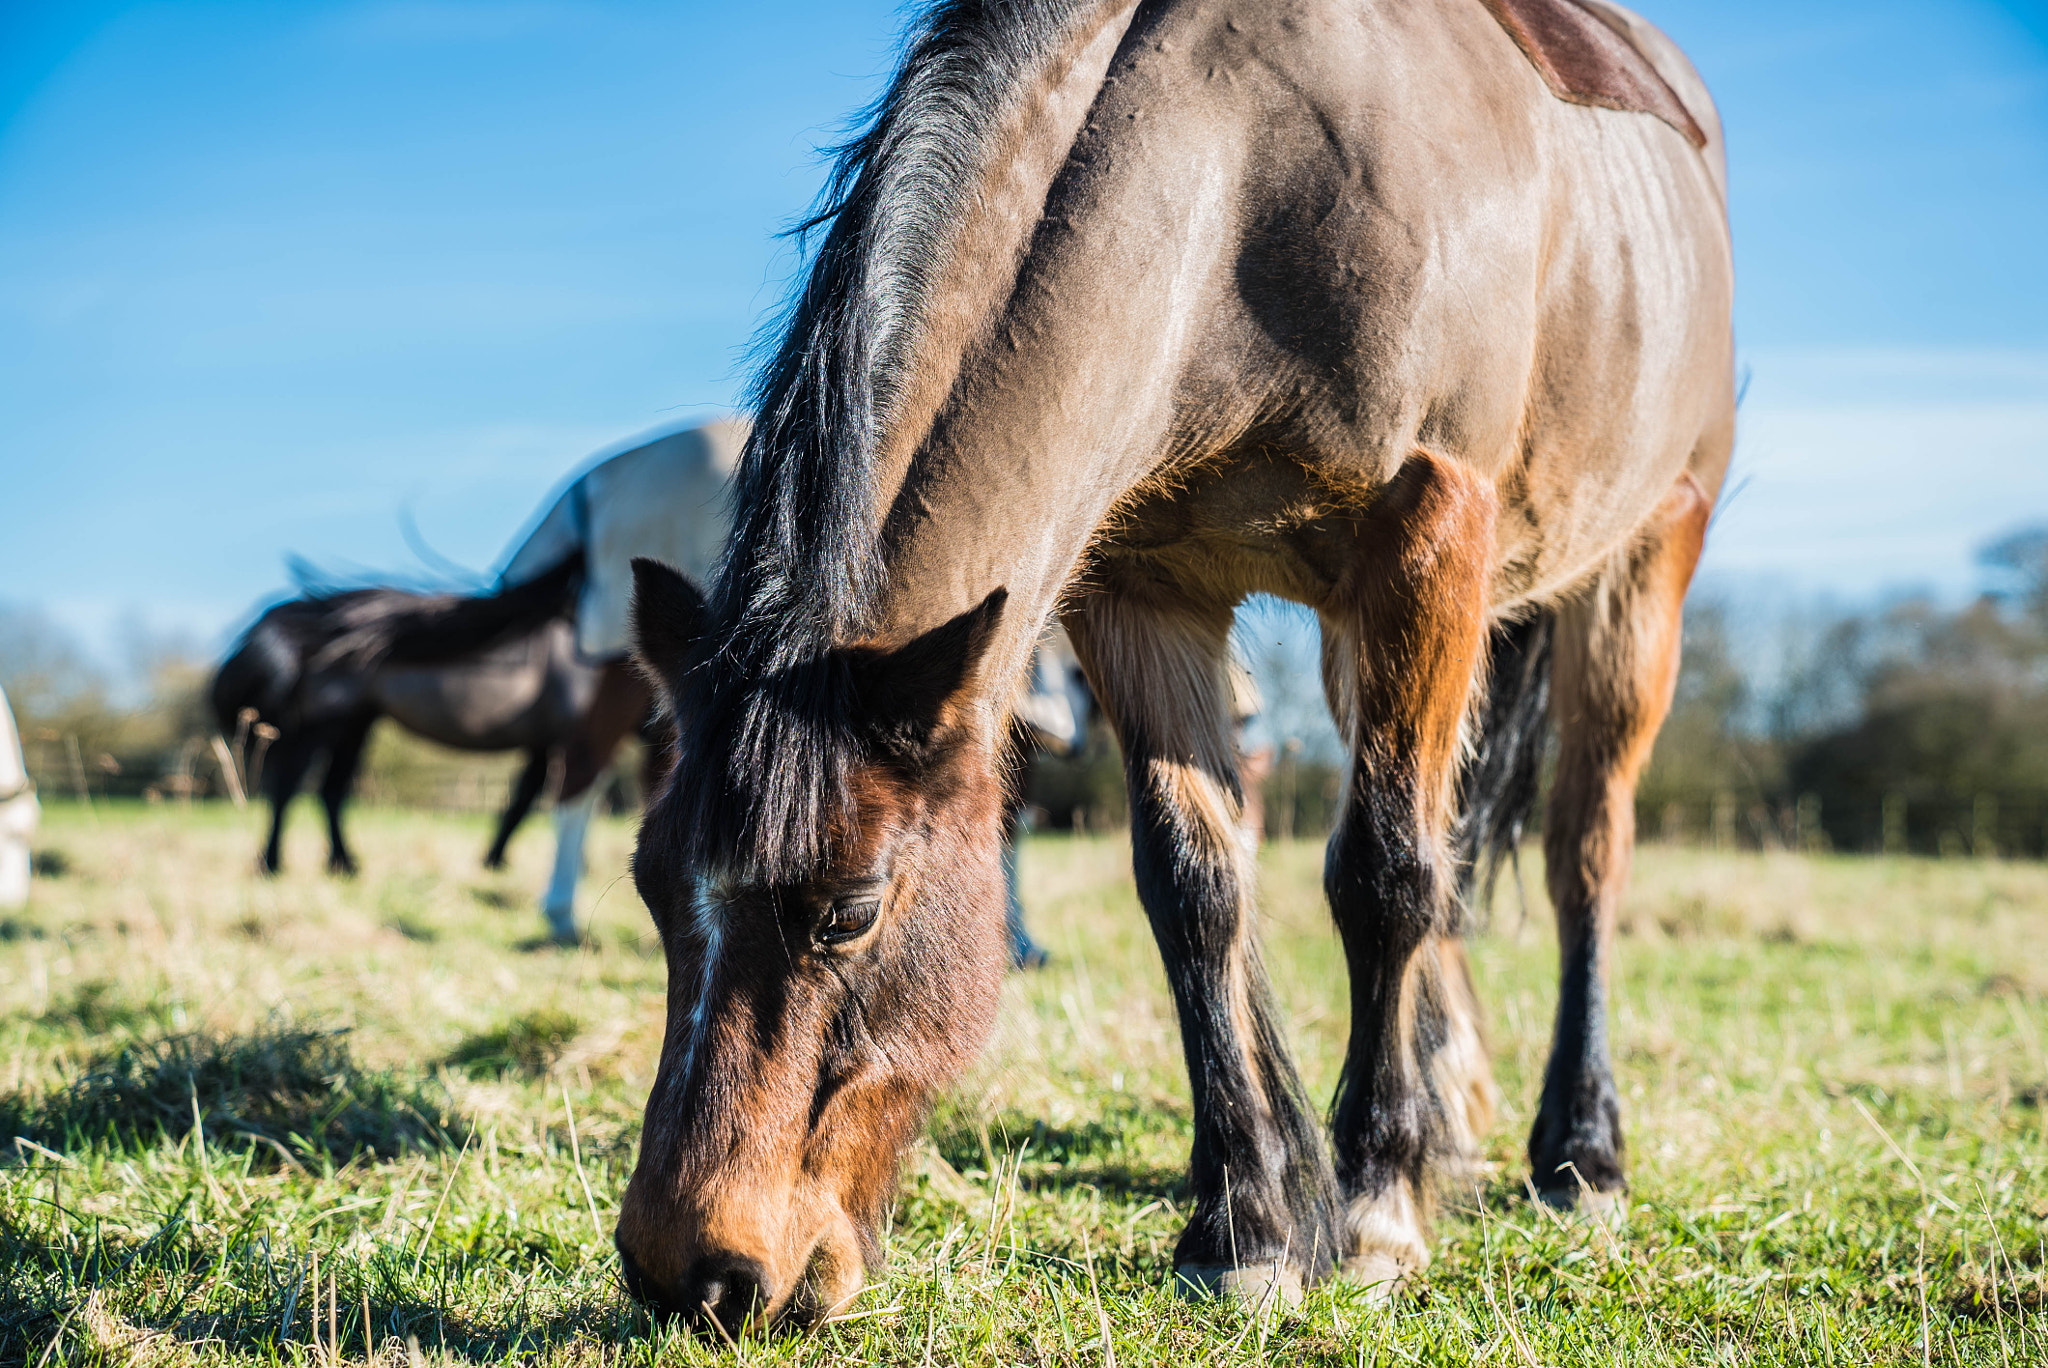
(907, 689)
(668, 617)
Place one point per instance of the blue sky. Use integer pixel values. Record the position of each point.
(273, 277)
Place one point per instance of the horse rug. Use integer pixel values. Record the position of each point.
(1587, 54)
(665, 499)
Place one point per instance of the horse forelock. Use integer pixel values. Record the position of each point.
(763, 771)
(774, 739)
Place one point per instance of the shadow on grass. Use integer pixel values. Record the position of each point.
(129, 1300)
(529, 1044)
(1117, 1152)
(98, 1006)
(289, 1092)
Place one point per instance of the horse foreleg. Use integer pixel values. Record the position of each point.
(572, 822)
(1615, 666)
(291, 755)
(1265, 1217)
(1402, 640)
(618, 707)
(344, 759)
(532, 779)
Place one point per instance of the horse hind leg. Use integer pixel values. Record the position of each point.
(1402, 641)
(572, 823)
(1616, 663)
(1265, 1214)
(620, 705)
(532, 779)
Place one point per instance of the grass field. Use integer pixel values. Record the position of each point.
(234, 1095)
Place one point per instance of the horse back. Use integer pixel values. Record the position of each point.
(1434, 251)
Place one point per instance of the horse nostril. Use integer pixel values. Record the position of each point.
(728, 1288)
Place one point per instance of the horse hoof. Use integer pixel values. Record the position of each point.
(1604, 1208)
(1388, 1242)
(1382, 1275)
(1259, 1288)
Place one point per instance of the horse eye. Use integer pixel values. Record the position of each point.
(845, 921)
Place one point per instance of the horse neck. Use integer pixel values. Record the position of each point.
(1061, 402)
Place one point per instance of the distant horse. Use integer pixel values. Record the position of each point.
(18, 812)
(665, 499)
(540, 665)
(319, 672)
(1414, 312)
(668, 500)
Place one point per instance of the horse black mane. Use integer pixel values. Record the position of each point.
(773, 736)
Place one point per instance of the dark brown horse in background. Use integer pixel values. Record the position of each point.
(488, 672)
(1416, 313)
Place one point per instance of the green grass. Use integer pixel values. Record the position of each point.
(1833, 1071)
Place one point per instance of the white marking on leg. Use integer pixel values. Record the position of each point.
(1385, 1231)
(572, 822)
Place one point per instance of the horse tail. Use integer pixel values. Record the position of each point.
(1504, 770)
(368, 628)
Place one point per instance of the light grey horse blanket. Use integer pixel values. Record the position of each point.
(665, 499)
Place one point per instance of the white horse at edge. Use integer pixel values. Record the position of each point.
(19, 812)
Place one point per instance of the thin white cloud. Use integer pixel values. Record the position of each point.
(1861, 471)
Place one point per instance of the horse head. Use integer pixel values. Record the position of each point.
(814, 1009)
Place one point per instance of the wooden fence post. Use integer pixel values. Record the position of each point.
(1895, 824)
(1984, 827)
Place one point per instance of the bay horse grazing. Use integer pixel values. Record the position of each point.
(1412, 311)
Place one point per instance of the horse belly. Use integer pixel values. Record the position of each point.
(483, 707)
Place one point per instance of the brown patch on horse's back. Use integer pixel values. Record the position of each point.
(1584, 60)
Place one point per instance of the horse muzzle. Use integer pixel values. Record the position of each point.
(731, 1291)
